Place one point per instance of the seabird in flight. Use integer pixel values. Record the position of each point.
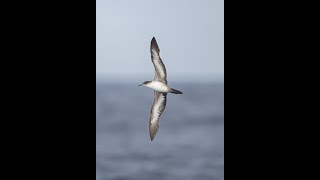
(160, 87)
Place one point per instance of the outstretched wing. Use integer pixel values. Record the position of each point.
(157, 109)
(160, 69)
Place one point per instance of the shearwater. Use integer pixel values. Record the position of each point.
(160, 87)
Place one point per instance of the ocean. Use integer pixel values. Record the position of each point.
(189, 144)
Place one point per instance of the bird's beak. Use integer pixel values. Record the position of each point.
(140, 84)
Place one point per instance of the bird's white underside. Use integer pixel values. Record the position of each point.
(158, 86)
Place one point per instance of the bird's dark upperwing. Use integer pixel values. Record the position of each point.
(160, 69)
(157, 109)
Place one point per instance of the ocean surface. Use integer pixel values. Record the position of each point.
(188, 146)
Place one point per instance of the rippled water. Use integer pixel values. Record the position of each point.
(189, 144)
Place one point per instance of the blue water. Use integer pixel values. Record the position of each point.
(189, 144)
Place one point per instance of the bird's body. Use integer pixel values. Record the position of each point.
(160, 87)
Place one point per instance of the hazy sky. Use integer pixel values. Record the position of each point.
(190, 34)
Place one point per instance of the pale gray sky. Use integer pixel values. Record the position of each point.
(190, 34)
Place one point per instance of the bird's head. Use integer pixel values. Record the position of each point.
(145, 83)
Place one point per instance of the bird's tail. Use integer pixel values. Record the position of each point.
(174, 91)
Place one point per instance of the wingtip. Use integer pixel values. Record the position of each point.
(152, 136)
(153, 130)
(154, 44)
(153, 40)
